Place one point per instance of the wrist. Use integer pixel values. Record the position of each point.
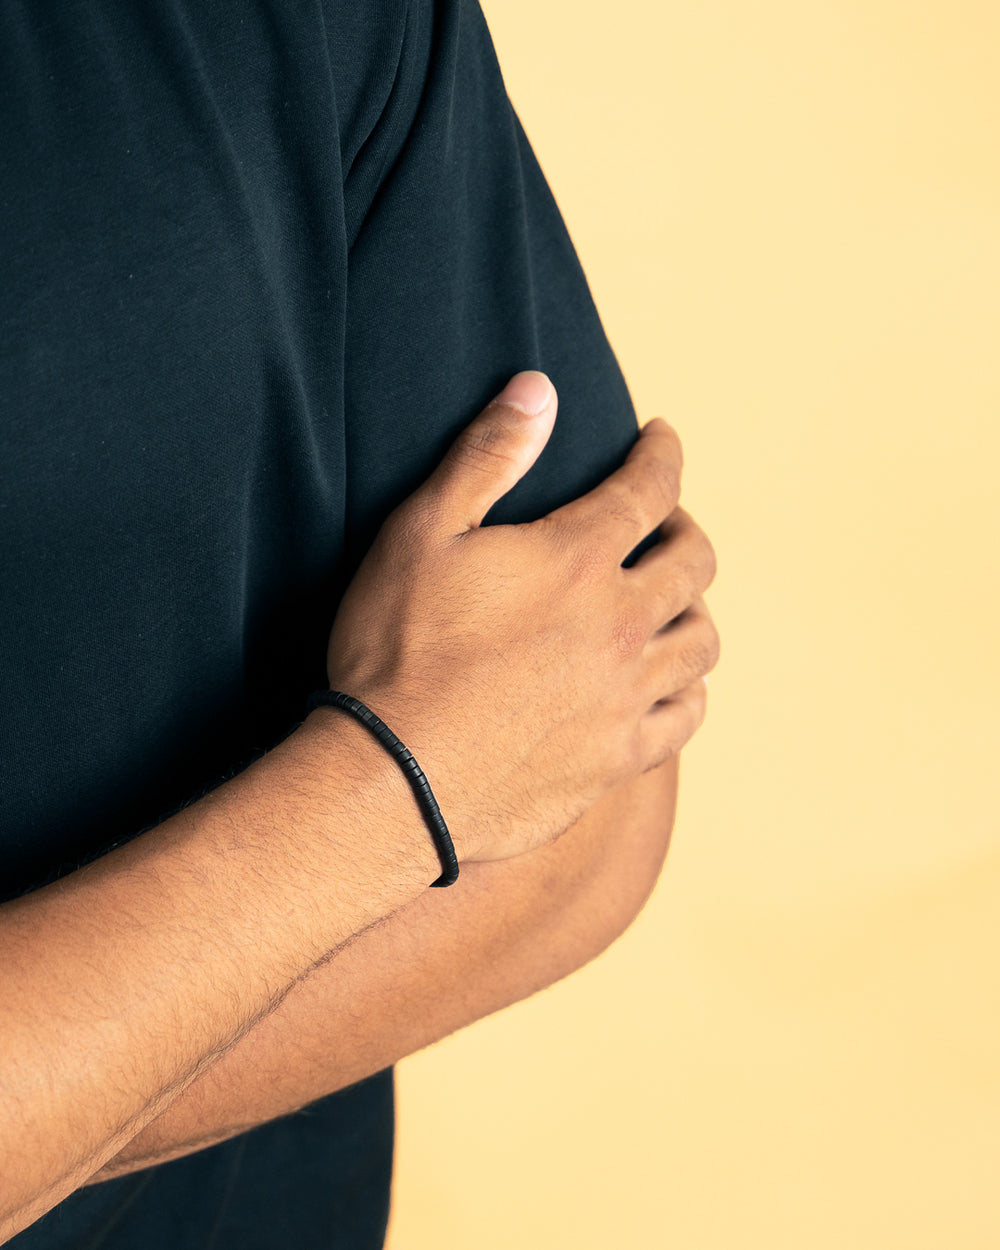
(359, 788)
(446, 803)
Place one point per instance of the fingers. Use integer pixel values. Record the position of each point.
(632, 501)
(681, 653)
(672, 574)
(490, 455)
(669, 725)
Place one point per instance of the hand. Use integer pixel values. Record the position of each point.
(524, 668)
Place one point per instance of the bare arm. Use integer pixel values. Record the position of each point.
(124, 981)
(505, 930)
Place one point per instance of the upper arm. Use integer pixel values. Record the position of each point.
(461, 273)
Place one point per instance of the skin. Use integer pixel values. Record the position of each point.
(502, 932)
(128, 981)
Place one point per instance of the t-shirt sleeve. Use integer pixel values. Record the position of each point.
(461, 273)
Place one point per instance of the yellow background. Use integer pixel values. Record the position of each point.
(789, 214)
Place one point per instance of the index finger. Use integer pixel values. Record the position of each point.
(637, 497)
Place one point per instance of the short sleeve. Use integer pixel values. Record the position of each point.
(461, 272)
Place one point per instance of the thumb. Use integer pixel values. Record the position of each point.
(495, 451)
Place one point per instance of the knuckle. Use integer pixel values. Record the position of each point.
(629, 635)
(699, 653)
(486, 438)
(588, 561)
(622, 501)
(668, 479)
(684, 576)
(703, 561)
(665, 466)
(676, 447)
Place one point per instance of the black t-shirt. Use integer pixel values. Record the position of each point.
(261, 264)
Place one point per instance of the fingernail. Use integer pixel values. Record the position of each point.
(530, 391)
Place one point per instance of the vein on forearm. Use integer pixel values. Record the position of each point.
(501, 933)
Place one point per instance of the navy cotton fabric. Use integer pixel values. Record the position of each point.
(262, 262)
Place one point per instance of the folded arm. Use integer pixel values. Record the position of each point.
(505, 930)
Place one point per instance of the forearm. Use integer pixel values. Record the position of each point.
(123, 982)
(503, 931)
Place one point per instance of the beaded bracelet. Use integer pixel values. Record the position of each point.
(414, 773)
